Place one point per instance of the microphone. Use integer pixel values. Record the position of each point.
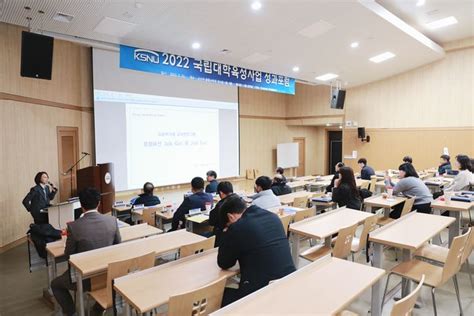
(52, 185)
(84, 153)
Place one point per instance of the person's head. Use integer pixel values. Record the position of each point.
(407, 170)
(280, 170)
(362, 162)
(224, 189)
(408, 159)
(338, 166)
(444, 159)
(148, 188)
(41, 177)
(197, 184)
(232, 209)
(263, 183)
(278, 178)
(463, 162)
(89, 198)
(346, 175)
(211, 175)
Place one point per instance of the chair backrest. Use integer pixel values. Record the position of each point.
(120, 268)
(197, 247)
(370, 224)
(285, 220)
(249, 174)
(301, 202)
(405, 305)
(455, 255)
(317, 194)
(149, 215)
(256, 173)
(373, 181)
(365, 185)
(199, 302)
(469, 246)
(304, 214)
(408, 206)
(342, 247)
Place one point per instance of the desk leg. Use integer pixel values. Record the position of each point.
(295, 248)
(80, 293)
(386, 211)
(328, 241)
(376, 304)
(128, 311)
(454, 227)
(436, 239)
(160, 224)
(368, 209)
(406, 284)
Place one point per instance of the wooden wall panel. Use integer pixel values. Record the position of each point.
(260, 104)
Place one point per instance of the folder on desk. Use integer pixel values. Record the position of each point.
(324, 199)
(463, 198)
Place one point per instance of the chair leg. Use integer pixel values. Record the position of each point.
(456, 288)
(385, 291)
(352, 255)
(434, 301)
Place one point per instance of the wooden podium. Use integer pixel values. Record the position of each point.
(100, 177)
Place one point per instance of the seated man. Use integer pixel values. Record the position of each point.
(224, 189)
(147, 198)
(256, 239)
(211, 178)
(365, 171)
(91, 231)
(198, 199)
(445, 165)
(265, 198)
(279, 186)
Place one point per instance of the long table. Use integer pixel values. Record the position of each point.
(88, 264)
(455, 209)
(408, 233)
(323, 227)
(324, 287)
(151, 288)
(386, 204)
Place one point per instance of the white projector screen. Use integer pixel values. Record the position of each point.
(162, 129)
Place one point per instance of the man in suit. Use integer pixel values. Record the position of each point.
(211, 178)
(256, 239)
(39, 198)
(91, 231)
(147, 198)
(265, 198)
(224, 190)
(198, 199)
(365, 171)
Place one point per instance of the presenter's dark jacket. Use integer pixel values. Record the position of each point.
(445, 167)
(366, 173)
(343, 196)
(331, 185)
(216, 222)
(258, 242)
(36, 200)
(147, 200)
(280, 188)
(196, 200)
(212, 186)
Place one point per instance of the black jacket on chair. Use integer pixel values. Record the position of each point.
(280, 188)
(36, 200)
(258, 242)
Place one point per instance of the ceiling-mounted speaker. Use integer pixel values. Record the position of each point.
(338, 97)
(36, 55)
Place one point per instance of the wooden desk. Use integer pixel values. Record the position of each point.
(455, 208)
(323, 227)
(408, 233)
(305, 178)
(386, 204)
(120, 209)
(295, 185)
(151, 288)
(289, 198)
(335, 282)
(435, 183)
(87, 264)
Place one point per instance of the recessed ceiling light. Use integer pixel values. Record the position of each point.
(442, 23)
(327, 77)
(328, 124)
(420, 3)
(196, 45)
(382, 57)
(355, 44)
(296, 69)
(256, 5)
(340, 126)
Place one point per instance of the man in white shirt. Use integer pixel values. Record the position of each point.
(265, 198)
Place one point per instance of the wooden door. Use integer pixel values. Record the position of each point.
(68, 153)
(300, 171)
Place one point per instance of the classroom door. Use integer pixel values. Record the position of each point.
(300, 171)
(334, 150)
(68, 153)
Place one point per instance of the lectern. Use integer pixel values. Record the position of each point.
(100, 177)
(62, 213)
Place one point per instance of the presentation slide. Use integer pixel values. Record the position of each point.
(179, 131)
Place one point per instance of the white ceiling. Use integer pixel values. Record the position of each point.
(433, 10)
(312, 34)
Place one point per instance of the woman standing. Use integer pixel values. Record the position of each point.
(40, 197)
